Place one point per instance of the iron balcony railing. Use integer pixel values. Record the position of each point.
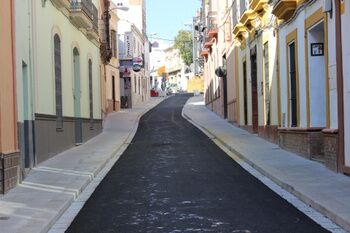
(88, 8)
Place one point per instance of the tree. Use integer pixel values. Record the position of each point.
(184, 43)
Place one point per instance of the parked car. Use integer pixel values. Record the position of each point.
(154, 92)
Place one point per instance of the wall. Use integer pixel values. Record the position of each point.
(299, 24)
(8, 115)
(48, 21)
(346, 73)
(9, 158)
(232, 95)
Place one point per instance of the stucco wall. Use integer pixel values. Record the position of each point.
(8, 131)
(346, 73)
(299, 24)
(48, 21)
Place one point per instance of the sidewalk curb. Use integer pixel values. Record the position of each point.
(306, 199)
(115, 154)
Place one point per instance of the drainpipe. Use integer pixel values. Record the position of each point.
(340, 91)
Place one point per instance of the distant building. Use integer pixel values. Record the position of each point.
(110, 72)
(133, 50)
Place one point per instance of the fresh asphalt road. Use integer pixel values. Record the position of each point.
(173, 178)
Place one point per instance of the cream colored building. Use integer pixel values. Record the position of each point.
(307, 71)
(175, 69)
(59, 94)
(344, 83)
(256, 43)
(281, 78)
(110, 71)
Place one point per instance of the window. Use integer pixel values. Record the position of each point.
(139, 85)
(267, 83)
(293, 85)
(91, 100)
(245, 98)
(58, 81)
(114, 43)
(135, 84)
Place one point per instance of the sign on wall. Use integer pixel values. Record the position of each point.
(317, 49)
(128, 45)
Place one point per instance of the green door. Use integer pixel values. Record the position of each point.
(77, 96)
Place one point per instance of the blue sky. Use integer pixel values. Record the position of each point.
(166, 17)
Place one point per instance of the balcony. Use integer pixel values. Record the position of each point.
(84, 15)
(239, 29)
(204, 53)
(212, 26)
(61, 3)
(247, 17)
(284, 9)
(240, 32)
(208, 43)
(258, 5)
(212, 30)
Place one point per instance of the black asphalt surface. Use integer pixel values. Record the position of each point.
(173, 178)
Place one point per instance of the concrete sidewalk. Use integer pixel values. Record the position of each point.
(322, 189)
(51, 187)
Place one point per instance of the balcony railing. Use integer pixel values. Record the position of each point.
(88, 8)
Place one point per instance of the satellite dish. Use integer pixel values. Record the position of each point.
(220, 72)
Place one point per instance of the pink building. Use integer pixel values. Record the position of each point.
(9, 153)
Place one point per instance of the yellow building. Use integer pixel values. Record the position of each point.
(58, 76)
(256, 40)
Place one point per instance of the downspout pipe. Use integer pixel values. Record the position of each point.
(340, 90)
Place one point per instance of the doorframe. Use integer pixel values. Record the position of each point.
(245, 92)
(292, 37)
(77, 114)
(313, 20)
(224, 84)
(113, 92)
(255, 101)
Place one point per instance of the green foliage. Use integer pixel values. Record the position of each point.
(184, 43)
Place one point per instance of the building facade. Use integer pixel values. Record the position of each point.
(175, 69)
(133, 50)
(342, 17)
(307, 80)
(110, 71)
(58, 86)
(9, 152)
(271, 68)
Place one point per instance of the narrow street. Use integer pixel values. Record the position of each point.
(173, 178)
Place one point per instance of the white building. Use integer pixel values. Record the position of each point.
(176, 69)
(133, 46)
